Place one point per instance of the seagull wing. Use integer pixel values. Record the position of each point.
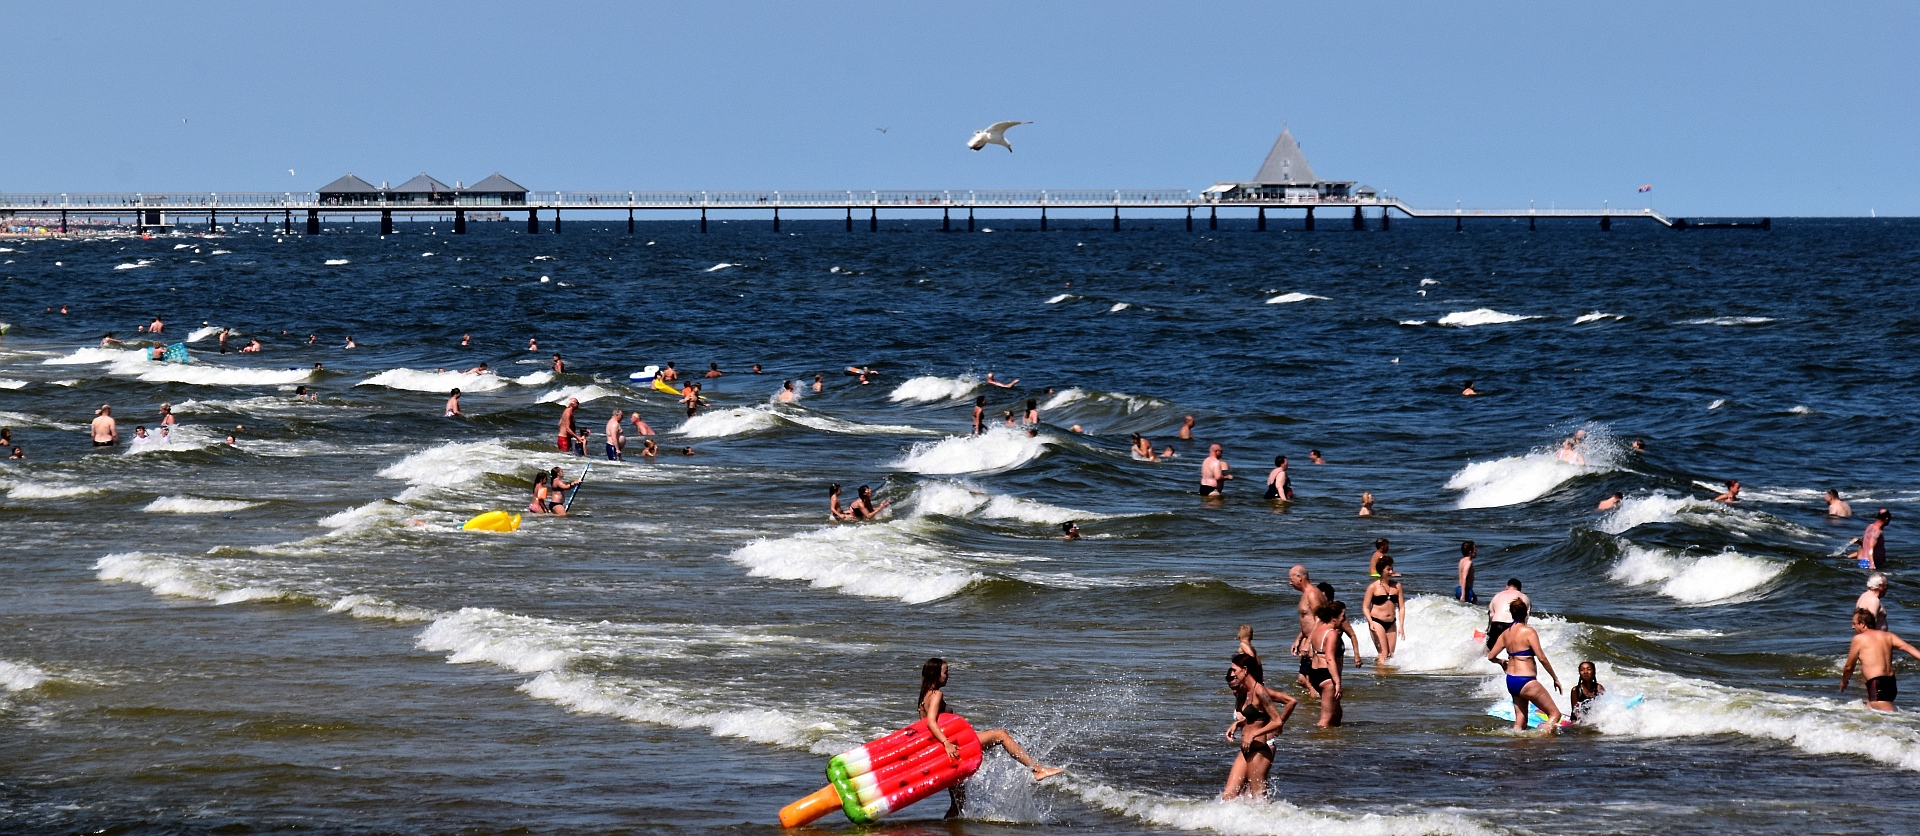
(999, 129)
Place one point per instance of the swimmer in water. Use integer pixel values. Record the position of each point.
(1610, 502)
(1256, 720)
(1837, 507)
(640, 427)
(1169, 453)
(466, 340)
(756, 368)
(1007, 416)
(649, 449)
(688, 451)
(1732, 494)
(1033, 412)
(713, 371)
(819, 382)
(833, 503)
(480, 369)
(1872, 649)
(669, 374)
(109, 340)
(933, 703)
(453, 405)
(1524, 654)
(863, 508)
(1870, 600)
(1463, 590)
(533, 344)
(690, 398)
(1468, 390)
(1386, 610)
(1007, 385)
(1214, 472)
(1366, 504)
(616, 440)
(166, 415)
(19, 455)
(1142, 448)
(979, 414)
(1639, 446)
(549, 494)
(1324, 674)
(1380, 549)
(1570, 452)
(253, 347)
(1279, 486)
(1313, 457)
(1069, 530)
(559, 365)
(1186, 429)
(1586, 691)
(350, 342)
(786, 393)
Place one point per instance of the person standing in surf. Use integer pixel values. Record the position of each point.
(571, 440)
(933, 703)
(1870, 600)
(1214, 472)
(1311, 599)
(1380, 548)
(1186, 429)
(549, 493)
(453, 405)
(1386, 611)
(787, 395)
(1873, 542)
(1463, 590)
(979, 414)
(1837, 507)
(1500, 610)
(863, 508)
(105, 432)
(1255, 723)
(1279, 486)
(640, 427)
(1522, 645)
(616, 439)
(1323, 676)
(1032, 417)
(1872, 649)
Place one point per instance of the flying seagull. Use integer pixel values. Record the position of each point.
(994, 135)
(882, 130)
(290, 172)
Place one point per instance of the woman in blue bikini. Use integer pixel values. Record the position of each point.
(1522, 646)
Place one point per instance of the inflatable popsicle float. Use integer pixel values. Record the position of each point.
(890, 773)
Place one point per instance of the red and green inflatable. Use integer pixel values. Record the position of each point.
(886, 775)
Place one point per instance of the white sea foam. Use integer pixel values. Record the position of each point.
(931, 388)
(878, 560)
(1441, 637)
(1596, 316)
(718, 267)
(133, 265)
(455, 463)
(202, 333)
(183, 504)
(1272, 818)
(1717, 403)
(91, 354)
(722, 423)
(10, 383)
(1061, 298)
(589, 392)
(336, 262)
(1289, 298)
(200, 374)
(1426, 282)
(368, 606)
(1801, 409)
(1119, 306)
(1729, 320)
(721, 714)
(952, 499)
(1710, 579)
(48, 490)
(20, 676)
(1635, 511)
(1517, 479)
(181, 578)
(540, 378)
(1075, 395)
(221, 252)
(439, 382)
(1481, 316)
(1000, 448)
(1413, 322)
(359, 516)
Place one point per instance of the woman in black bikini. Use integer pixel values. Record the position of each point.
(1254, 723)
(1324, 675)
(933, 703)
(1386, 610)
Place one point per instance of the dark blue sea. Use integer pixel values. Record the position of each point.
(291, 632)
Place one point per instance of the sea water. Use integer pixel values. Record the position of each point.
(292, 632)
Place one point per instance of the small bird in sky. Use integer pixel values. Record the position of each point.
(882, 130)
(996, 134)
(290, 172)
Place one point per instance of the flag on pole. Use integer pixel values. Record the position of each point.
(1647, 188)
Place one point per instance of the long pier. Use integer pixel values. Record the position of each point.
(165, 210)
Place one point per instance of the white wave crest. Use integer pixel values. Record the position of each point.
(1119, 306)
(1711, 579)
(336, 262)
(1441, 637)
(1596, 316)
(1272, 818)
(1061, 298)
(1000, 448)
(1481, 316)
(1729, 320)
(10, 383)
(93, 354)
(206, 375)
(540, 378)
(180, 578)
(203, 333)
(720, 714)
(48, 490)
(20, 676)
(1636, 511)
(876, 560)
(589, 392)
(440, 382)
(184, 504)
(718, 267)
(455, 463)
(931, 388)
(1289, 298)
(722, 423)
(951, 499)
(368, 606)
(1517, 479)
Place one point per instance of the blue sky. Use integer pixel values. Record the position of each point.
(1726, 108)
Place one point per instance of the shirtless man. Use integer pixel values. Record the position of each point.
(480, 369)
(1213, 471)
(559, 365)
(640, 427)
(713, 371)
(1870, 600)
(106, 433)
(1500, 610)
(453, 404)
(1464, 591)
(1186, 429)
(979, 414)
(1314, 457)
(992, 382)
(155, 326)
(1468, 390)
(1873, 649)
(1732, 494)
(669, 374)
(1610, 502)
(786, 393)
(570, 439)
(819, 382)
(863, 508)
(616, 437)
(1311, 600)
(1837, 507)
(1873, 542)
(690, 398)
(1570, 452)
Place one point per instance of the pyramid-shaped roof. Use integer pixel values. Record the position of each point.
(497, 183)
(349, 185)
(1285, 163)
(423, 184)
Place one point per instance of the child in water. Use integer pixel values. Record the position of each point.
(1586, 690)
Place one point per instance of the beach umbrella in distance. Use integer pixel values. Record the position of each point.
(993, 135)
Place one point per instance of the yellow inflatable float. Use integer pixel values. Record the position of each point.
(499, 521)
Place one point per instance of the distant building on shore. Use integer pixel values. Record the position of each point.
(423, 190)
(1285, 175)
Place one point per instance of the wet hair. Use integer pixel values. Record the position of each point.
(1519, 610)
(1469, 384)
(1325, 589)
(1863, 616)
(1330, 611)
(456, 391)
(930, 676)
(864, 490)
(1619, 495)
(1033, 403)
(980, 400)
(1884, 515)
(1467, 547)
(1067, 527)
(555, 473)
(1833, 493)
(1250, 664)
(1279, 461)
(1515, 583)
(1380, 543)
(1386, 562)
(833, 488)
(1313, 452)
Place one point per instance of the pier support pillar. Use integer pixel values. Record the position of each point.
(1213, 217)
(946, 219)
(1606, 223)
(873, 220)
(1530, 223)
(849, 219)
(1309, 219)
(703, 220)
(629, 221)
(1459, 224)
(313, 222)
(556, 221)
(1043, 219)
(533, 221)
(1385, 221)
(386, 222)
(63, 222)
(776, 219)
(459, 221)
(1116, 219)
(1359, 221)
(286, 227)
(969, 219)
(1262, 225)
(1189, 219)
(213, 222)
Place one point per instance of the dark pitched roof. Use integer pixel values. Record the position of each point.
(423, 184)
(349, 185)
(1285, 163)
(496, 183)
